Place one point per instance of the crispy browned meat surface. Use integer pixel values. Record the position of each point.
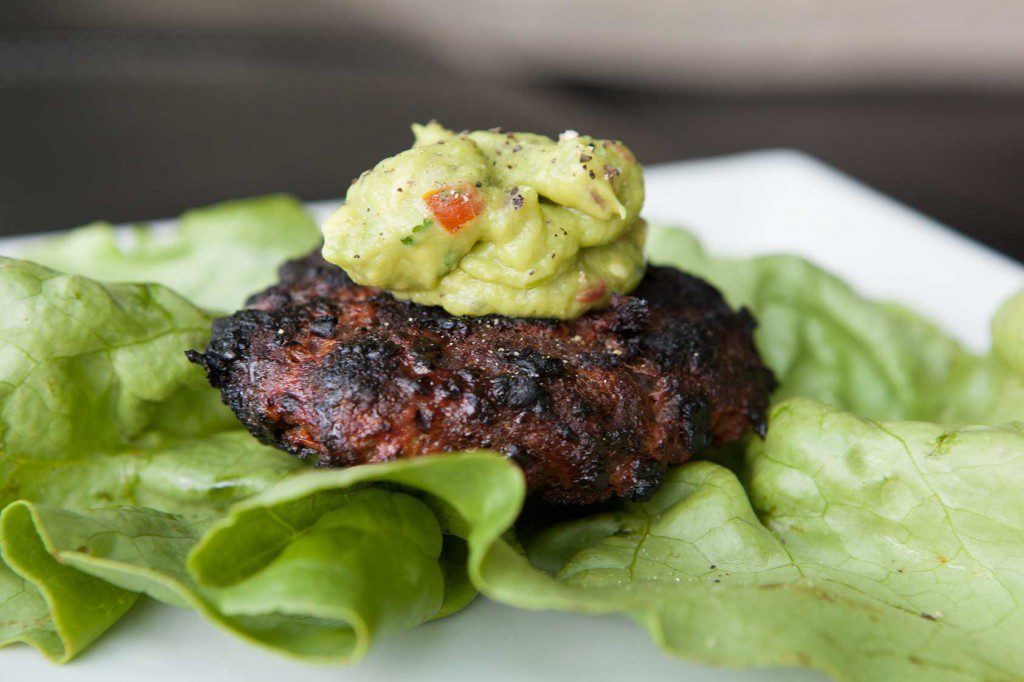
(589, 408)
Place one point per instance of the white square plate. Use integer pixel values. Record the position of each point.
(746, 204)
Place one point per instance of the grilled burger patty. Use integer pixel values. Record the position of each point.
(588, 408)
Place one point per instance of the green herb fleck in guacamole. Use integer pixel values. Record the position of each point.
(489, 222)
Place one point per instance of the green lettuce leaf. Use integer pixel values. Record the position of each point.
(216, 256)
(825, 341)
(869, 550)
(369, 563)
(98, 407)
(55, 608)
(316, 567)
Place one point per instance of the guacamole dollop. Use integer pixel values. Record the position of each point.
(488, 222)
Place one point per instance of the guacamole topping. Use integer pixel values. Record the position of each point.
(488, 222)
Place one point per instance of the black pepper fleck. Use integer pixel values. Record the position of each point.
(517, 198)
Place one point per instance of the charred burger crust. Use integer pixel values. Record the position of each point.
(589, 408)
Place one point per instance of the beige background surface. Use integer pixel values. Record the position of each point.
(722, 43)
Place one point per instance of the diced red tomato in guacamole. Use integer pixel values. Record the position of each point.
(454, 207)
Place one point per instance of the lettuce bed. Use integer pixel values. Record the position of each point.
(877, 533)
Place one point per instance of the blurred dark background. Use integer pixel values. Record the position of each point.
(127, 110)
